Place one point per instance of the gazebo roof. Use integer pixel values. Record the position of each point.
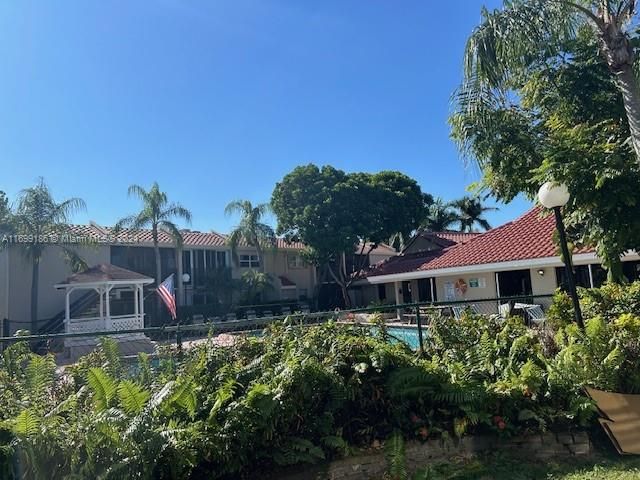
(105, 273)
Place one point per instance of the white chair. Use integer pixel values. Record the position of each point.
(251, 315)
(504, 310)
(285, 311)
(267, 313)
(536, 315)
(231, 316)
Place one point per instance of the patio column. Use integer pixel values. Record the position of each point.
(99, 290)
(107, 319)
(396, 288)
(141, 300)
(67, 311)
(136, 304)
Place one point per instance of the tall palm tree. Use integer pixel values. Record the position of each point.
(470, 211)
(510, 39)
(157, 214)
(440, 217)
(38, 217)
(251, 230)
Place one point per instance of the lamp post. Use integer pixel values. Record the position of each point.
(556, 196)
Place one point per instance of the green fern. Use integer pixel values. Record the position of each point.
(111, 351)
(40, 374)
(104, 387)
(184, 395)
(132, 397)
(27, 423)
(395, 453)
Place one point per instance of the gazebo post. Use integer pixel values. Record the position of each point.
(141, 300)
(99, 290)
(67, 310)
(107, 320)
(136, 303)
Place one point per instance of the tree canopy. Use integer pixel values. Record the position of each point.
(509, 41)
(565, 122)
(333, 212)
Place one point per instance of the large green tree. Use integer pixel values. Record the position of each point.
(37, 221)
(159, 215)
(565, 121)
(334, 212)
(509, 40)
(251, 229)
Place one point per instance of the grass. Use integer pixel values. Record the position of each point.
(501, 467)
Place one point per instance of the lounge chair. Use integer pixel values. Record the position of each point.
(231, 316)
(536, 315)
(251, 315)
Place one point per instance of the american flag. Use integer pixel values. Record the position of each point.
(167, 294)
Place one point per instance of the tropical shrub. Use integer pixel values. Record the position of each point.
(306, 394)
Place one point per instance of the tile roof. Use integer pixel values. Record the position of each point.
(528, 237)
(104, 272)
(379, 249)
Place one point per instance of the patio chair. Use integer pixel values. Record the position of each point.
(231, 317)
(536, 315)
(267, 313)
(251, 315)
(198, 318)
(458, 310)
(504, 310)
(285, 311)
(304, 308)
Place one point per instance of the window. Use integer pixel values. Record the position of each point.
(580, 272)
(221, 258)
(295, 261)
(210, 259)
(249, 261)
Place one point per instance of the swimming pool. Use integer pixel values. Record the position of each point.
(408, 335)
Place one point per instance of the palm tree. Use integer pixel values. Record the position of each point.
(38, 217)
(440, 217)
(158, 215)
(251, 230)
(509, 40)
(255, 285)
(470, 211)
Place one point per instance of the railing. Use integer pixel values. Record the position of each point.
(417, 314)
(109, 324)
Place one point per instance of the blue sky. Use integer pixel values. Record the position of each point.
(217, 100)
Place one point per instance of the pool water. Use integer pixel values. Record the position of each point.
(408, 335)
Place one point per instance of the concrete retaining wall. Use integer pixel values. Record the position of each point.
(373, 465)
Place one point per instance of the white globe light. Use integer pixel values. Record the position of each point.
(553, 195)
(185, 278)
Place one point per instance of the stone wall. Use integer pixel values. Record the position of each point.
(372, 465)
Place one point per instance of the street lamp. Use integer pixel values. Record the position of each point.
(556, 196)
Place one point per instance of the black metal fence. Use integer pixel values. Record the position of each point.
(68, 347)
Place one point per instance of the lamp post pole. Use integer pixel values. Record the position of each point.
(568, 265)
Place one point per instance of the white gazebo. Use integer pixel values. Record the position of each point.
(106, 280)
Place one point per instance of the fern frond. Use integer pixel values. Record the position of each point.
(132, 397)
(103, 387)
